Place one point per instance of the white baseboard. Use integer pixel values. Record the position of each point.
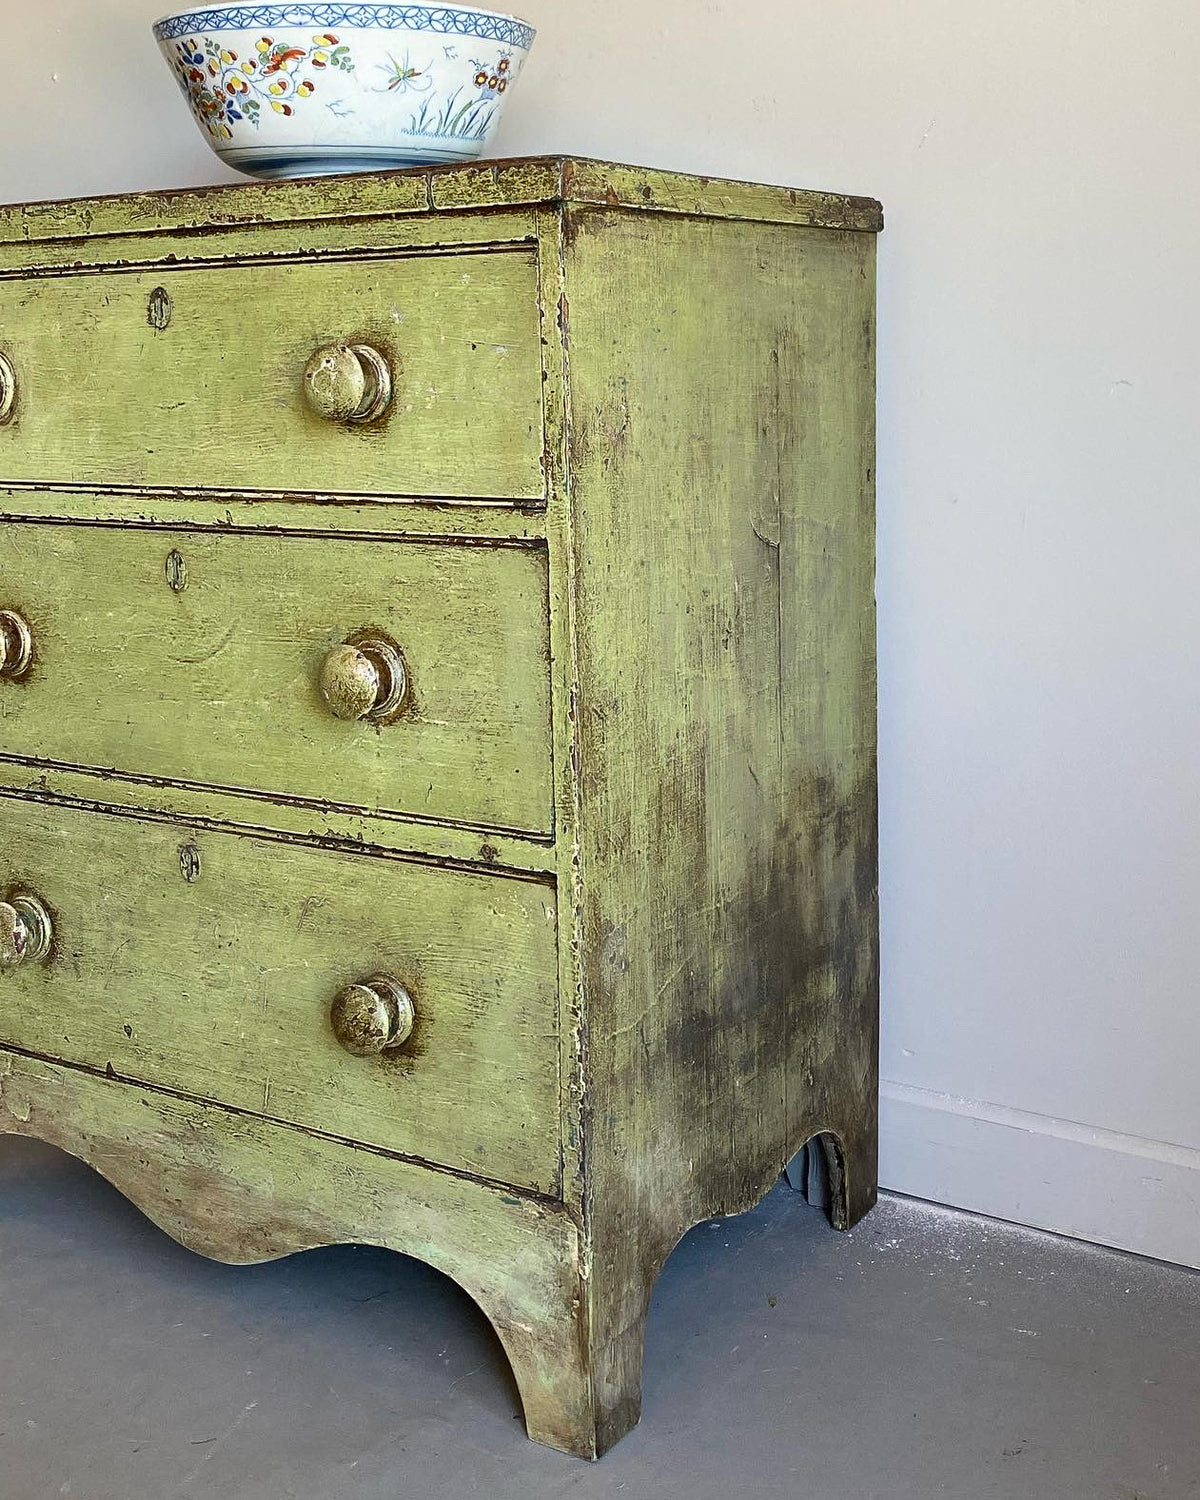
(1121, 1190)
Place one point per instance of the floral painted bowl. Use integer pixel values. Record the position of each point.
(312, 88)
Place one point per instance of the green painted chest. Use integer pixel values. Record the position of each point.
(437, 722)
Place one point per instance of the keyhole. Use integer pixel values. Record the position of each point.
(158, 313)
(177, 571)
(189, 862)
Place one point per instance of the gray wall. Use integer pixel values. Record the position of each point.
(1039, 529)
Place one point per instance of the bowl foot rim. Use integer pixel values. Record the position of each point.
(328, 161)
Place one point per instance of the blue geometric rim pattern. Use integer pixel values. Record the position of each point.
(391, 17)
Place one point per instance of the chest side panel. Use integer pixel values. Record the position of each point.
(722, 504)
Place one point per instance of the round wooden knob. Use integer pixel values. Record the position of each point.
(348, 383)
(364, 678)
(373, 1017)
(8, 388)
(25, 931)
(16, 644)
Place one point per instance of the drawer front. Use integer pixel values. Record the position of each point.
(207, 963)
(215, 398)
(198, 659)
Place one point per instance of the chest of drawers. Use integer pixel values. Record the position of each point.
(437, 722)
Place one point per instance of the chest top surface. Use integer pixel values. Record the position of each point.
(523, 182)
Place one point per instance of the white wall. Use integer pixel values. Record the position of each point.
(1039, 525)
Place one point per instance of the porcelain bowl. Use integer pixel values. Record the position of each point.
(307, 89)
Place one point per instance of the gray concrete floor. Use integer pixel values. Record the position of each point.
(927, 1353)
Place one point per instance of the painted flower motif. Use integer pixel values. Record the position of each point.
(223, 88)
(491, 81)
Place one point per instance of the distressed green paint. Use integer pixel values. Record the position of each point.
(218, 684)
(289, 240)
(322, 826)
(464, 520)
(215, 398)
(694, 624)
(207, 963)
(241, 1190)
(555, 180)
(721, 491)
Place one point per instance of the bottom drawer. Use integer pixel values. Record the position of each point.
(208, 962)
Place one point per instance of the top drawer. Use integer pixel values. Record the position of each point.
(193, 378)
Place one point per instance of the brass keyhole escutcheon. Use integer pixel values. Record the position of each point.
(159, 308)
(189, 862)
(177, 571)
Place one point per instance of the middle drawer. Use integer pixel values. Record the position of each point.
(198, 659)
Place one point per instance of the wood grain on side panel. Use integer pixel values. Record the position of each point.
(721, 381)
